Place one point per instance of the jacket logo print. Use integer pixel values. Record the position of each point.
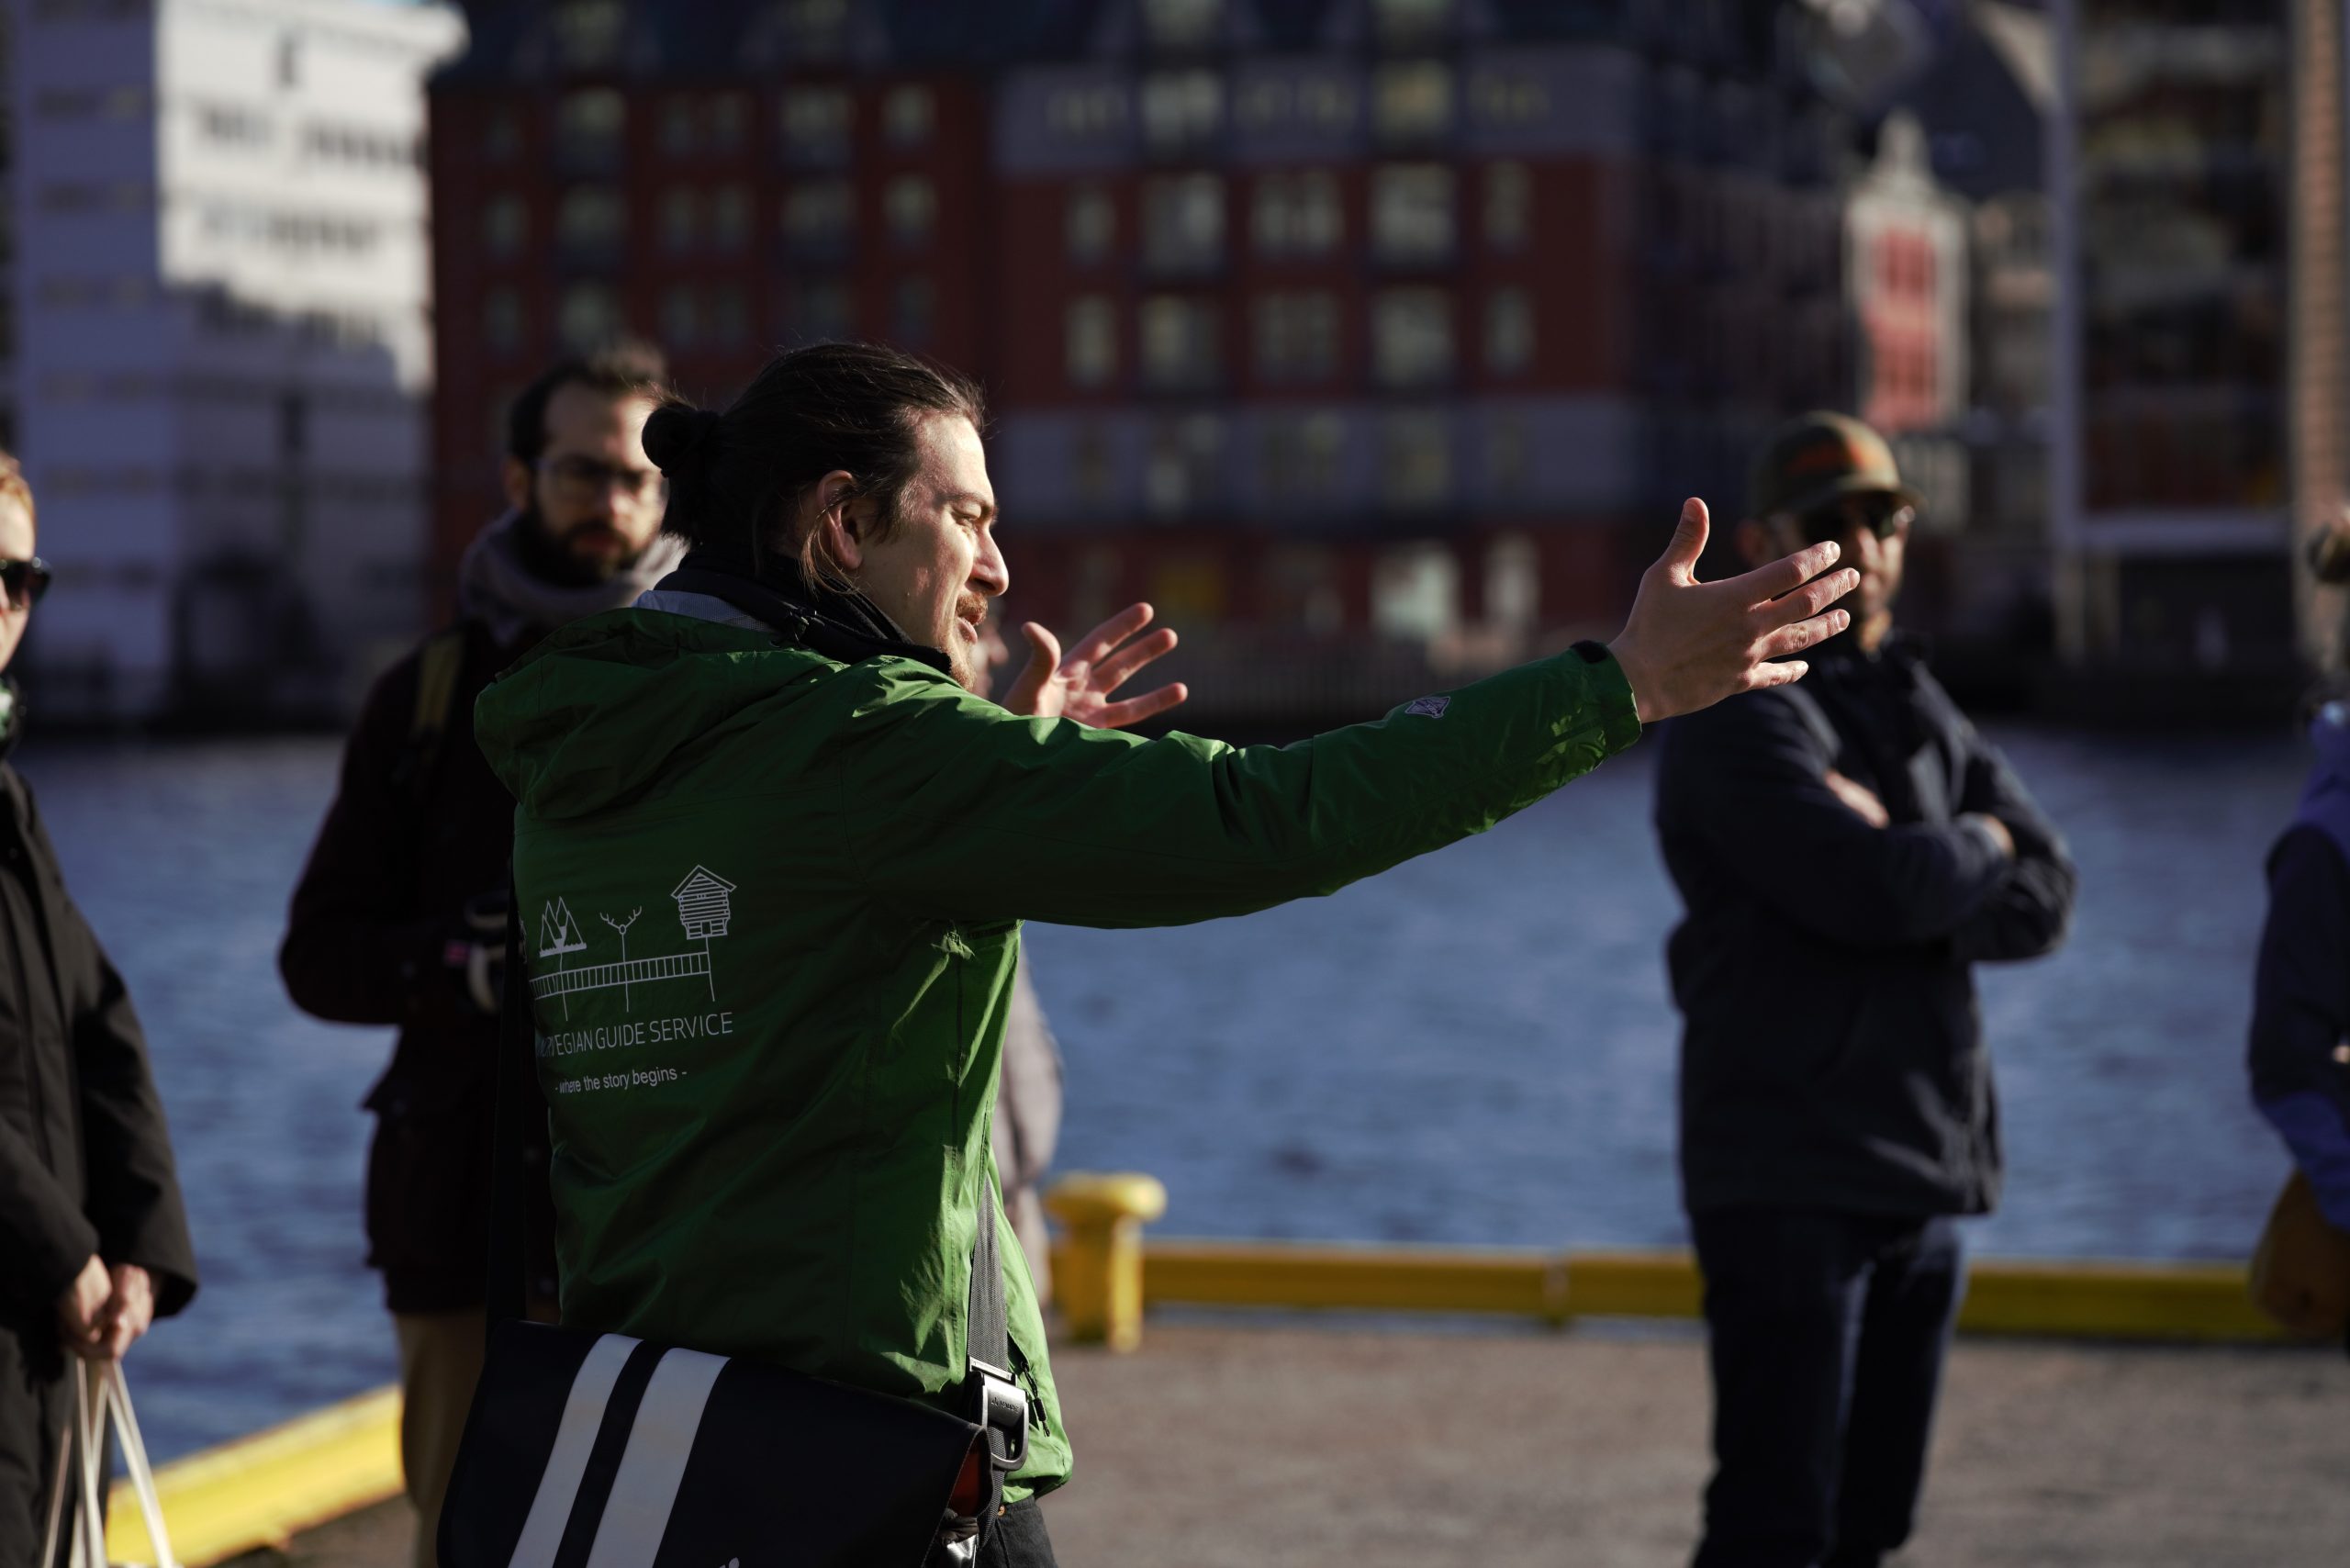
(705, 907)
(1429, 707)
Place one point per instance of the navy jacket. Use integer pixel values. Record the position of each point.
(1832, 1054)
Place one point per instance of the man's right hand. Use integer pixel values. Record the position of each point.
(1688, 644)
(80, 1309)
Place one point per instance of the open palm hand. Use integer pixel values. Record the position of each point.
(1081, 684)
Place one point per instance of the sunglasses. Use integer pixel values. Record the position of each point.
(1881, 515)
(25, 581)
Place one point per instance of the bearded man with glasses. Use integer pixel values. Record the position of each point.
(401, 916)
(1847, 850)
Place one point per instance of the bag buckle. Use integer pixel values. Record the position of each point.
(1003, 1413)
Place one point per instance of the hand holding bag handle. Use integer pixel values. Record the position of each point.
(99, 1389)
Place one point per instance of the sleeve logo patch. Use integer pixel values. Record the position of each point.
(1430, 707)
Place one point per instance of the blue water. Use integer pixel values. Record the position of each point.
(1475, 1047)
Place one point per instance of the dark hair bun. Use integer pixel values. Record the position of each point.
(675, 437)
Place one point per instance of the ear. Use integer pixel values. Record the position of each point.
(516, 479)
(1758, 545)
(839, 519)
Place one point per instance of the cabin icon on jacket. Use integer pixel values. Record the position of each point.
(703, 904)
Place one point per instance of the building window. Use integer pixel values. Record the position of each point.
(818, 219)
(677, 115)
(289, 63)
(1412, 102)
(1509, 205)
(591, 317)
(908, 115)
(505, 225)
(730, 217)
(1182, 110)
(680, 318)
(816, 124)
(730, 117)
(1411, 213)
(820, 313)
(1092, 224)
(1091, 326)
(1183, 470)
(1297, 215)
(1093, 114)
(818, 30)
(1509, 330)
(588, 32)
(913, 312)
(501, 320)
(1182, 222)
(1509, 456)
(730, 320)
(1409, 23)
(1179, 350)
(1182, 24)
(589, 127)
(591, 221)
(680, 220)
(1300, 460)
(1411, 337)
(501, 135)
(911, 204)
(1091, 477)
(1297, 336)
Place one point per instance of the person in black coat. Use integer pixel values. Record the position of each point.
(1837, 1107)
(94, 1242)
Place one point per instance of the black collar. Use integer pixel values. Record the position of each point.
(845, 626)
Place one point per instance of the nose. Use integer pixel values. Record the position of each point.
(1864, 550)
(990, 574)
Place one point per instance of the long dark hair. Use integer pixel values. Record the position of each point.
(736, 478)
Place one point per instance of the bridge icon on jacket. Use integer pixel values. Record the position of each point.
(705, 905)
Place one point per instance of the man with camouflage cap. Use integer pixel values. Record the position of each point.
(1828, 1145)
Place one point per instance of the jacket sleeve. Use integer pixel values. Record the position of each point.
(958, 810)
(2300, 1012)
(357, 950)
(44, 1239)
(131, 1181)
(1748, 780)
(2030, 912)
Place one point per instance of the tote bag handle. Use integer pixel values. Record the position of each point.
(100, 1391)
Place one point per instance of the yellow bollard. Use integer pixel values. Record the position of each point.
(1097, 1270)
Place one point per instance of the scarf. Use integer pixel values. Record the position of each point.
(496, 587)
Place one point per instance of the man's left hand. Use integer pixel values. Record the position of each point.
(1078, 686)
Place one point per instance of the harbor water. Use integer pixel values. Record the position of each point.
(1475, 1049)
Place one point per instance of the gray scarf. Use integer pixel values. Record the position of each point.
(494, 588)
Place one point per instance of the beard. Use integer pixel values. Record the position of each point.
(967, 657)
(561, 559)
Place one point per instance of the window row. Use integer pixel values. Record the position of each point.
(1293, 338)
(1303, 459)
(690, 317)
(1191, 110)
(814, 124)
(1413, 216)
(817, 220)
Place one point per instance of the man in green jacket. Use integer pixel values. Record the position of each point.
(772, 856)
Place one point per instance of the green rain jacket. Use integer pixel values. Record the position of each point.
(771, 909)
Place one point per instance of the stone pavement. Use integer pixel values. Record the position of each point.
(1278, 1440)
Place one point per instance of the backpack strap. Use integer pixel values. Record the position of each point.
(441, 664)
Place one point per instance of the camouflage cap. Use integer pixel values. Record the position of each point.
(1815, 458)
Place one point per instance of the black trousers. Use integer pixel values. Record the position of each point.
(1018, 1540)
(1827, 1335)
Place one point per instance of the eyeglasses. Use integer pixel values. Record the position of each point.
(1881, 514)
(25, 581)
(580, 480)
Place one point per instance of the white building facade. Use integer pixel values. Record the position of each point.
(222, 297)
